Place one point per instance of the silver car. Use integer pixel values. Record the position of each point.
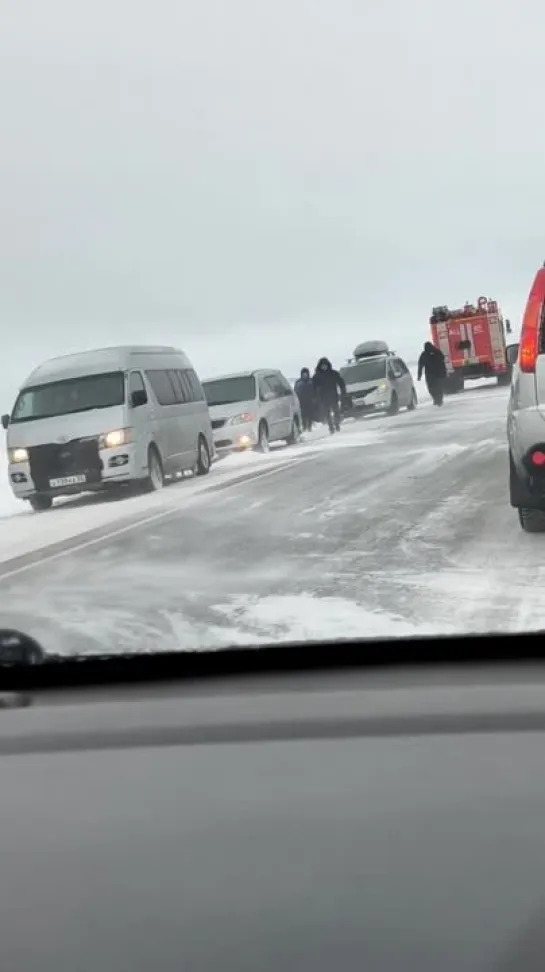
(526, 414)
(250, 409)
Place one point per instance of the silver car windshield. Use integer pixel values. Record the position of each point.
(227, 391)
(372, 370)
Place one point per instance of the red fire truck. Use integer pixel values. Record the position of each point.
(472, 339)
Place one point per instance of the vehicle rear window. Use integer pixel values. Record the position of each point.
(371, 370)
(227, 391)
(70, 396)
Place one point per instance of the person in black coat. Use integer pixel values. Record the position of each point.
(432, 363)
(329, 386)
(304, 390)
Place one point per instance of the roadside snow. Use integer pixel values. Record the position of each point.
(21, 534)
(305, 617)
(61, 619)
(9, 506)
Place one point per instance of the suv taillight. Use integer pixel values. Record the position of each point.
(537, 458)
(531, 324)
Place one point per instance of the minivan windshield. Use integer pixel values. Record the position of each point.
(227, 391)
(70, 395)
(372, 370)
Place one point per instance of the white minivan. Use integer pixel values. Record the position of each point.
(377, 380)
(250, 409)
(105, 418)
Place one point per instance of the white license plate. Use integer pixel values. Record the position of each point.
(67, 481)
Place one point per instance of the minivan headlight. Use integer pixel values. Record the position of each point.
(240, 419)
(115, 438)
(18, 454)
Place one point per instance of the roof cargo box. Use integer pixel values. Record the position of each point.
(369, 348)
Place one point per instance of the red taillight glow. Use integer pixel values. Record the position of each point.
(538, 458)
(531, 322)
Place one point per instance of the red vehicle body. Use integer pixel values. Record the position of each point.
(472, 339)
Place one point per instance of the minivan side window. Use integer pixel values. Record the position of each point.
(179, 387)
(196, 387)
(136, 383)
(393, 371)
(186, 385)
(284, 384)
(162, 387)
(265, 391)
(273, 384)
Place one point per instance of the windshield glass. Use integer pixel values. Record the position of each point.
(214, 215)
(227, 391)
(371, 370)
(70, 395)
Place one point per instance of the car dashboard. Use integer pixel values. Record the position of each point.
(353, 820)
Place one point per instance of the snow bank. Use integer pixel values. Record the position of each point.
(8, 504)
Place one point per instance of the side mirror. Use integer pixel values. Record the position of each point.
(512, 353)
(5, 421)
(17, 648)
(138, 398)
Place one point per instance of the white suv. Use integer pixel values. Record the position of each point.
(250, 409)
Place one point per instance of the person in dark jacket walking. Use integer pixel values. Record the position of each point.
(329, 385)
(432, 363)
(304, 389)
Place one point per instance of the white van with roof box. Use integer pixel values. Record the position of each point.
(377, 380)
(105, 418)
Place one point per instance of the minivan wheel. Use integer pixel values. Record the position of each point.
(394, 405)
(532, 521)
(203, 457)
(155, 479)
(40, 503)
(295, 433)
(262, 438)
(413, 402)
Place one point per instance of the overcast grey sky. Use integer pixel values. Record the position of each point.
(263, 182)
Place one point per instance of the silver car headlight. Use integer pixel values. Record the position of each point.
(241, 419)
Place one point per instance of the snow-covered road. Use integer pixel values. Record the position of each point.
(397, 525)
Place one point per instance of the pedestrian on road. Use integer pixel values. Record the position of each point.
(304, 390)
(329, 386)
(432, 363)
